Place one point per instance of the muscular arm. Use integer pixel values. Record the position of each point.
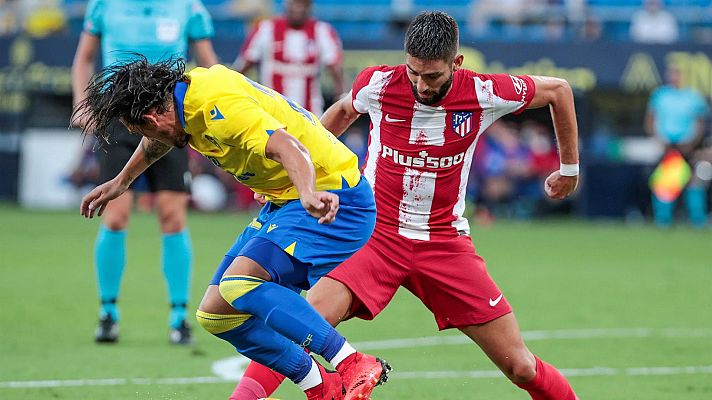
(150, 151)
(204, 53)
(556, 93)
(83, 67)
(146, 154)
(294, 157)
(337, 118)
(291, 153)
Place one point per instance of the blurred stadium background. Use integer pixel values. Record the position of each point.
(619, 305)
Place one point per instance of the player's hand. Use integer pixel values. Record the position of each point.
(96, 200)
(260, 199)
(322, 205)
(560, 187)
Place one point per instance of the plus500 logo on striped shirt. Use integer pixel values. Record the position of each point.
(422, 160)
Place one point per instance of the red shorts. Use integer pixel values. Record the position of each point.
(446, 275)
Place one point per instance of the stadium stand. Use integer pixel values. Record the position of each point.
(354, 18)
(371, 20)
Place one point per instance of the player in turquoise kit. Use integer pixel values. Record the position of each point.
(122, 29)
(319, 209)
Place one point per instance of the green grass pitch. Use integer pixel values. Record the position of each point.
(627, 310)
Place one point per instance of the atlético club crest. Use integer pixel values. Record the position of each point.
(462, 122)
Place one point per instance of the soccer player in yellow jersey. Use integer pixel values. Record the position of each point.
(318, 211)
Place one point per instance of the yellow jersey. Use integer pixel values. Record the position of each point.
(230, 118)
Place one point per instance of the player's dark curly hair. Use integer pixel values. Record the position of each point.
(127, 92)
(433, 35)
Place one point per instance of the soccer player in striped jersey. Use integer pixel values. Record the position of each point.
(291, 51)
(284, 154)
(426, 118)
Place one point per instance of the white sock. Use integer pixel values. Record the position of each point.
(312, 379)
(346, 350)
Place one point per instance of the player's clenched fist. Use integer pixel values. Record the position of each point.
(560, 187)
(321, 205)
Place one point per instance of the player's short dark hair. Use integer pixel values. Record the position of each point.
(433, 35)
(126, 92)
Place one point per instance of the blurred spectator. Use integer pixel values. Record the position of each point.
(555, 29)
(676, 117)
(401, 15)
(43, 17)
(546, 20)
(8, 17)
(538, 139)
(502, 167)
(483, 13)
(591, 30)
(576, 10)
(251, 9)
(402, 9)
(652, 24)
(509, 169)
(292, 50)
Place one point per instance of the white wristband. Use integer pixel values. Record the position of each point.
(569, 169)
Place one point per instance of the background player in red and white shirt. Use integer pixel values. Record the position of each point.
(426, 117)
(291, 51)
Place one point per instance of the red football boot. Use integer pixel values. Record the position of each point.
(361, 373)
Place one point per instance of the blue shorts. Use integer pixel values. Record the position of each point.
(306, 250)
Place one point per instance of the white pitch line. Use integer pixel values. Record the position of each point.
(564, 334)
(484, 374)
(597, 371)
(234, 366)
(230, 369)
(111, 382)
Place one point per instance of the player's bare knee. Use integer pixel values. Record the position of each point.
(171, 221)
(521, 369)
(326, 309)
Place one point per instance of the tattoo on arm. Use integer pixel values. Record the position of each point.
(153, 150)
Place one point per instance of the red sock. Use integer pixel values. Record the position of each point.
(548, 384)
(257, 382)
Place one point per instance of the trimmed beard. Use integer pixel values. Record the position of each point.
(437, 96)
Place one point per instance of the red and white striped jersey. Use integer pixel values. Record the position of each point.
(419, 156)
(291, 58)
